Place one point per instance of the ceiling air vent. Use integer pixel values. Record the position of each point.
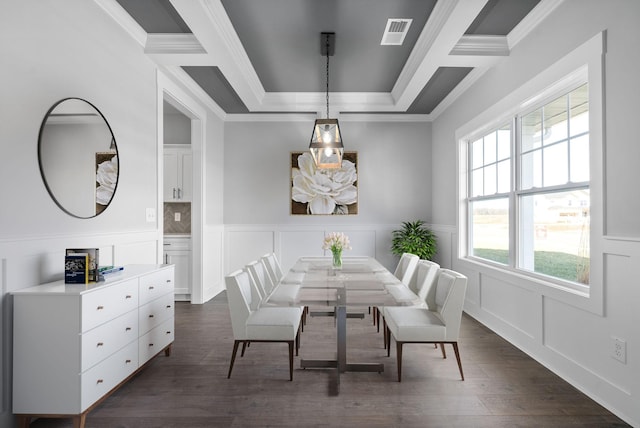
(395, 31)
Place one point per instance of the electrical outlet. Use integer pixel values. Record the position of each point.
(619, 349)
(177, 216)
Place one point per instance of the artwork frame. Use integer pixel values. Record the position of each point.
(306, 179)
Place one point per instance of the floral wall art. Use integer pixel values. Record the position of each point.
(106, 178)
(323, 191)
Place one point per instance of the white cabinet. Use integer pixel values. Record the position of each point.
(73, 344)
(177, 251)
(178, 173)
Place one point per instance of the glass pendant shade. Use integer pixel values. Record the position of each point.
(326, 144)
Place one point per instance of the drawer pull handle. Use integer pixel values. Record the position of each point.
(128, 296)
(127, 361)
(151, 344)
(168, 332)
(127, 329)
(99, 381)
(151, 316)
(168, 280)
(99, 308)
(100, 344)
(168, 306)
(151, 287)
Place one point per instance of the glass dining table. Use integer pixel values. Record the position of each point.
(361, 282)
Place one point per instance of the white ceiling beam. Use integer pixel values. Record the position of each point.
(210, 24)
(444, 28)
(214, 42)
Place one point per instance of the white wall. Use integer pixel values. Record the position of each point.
(53, 50)
(574, 342)
(394, 185)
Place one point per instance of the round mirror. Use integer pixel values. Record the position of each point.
(78, 158)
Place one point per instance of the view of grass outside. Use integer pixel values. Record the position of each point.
(558, 243)
(559, 265)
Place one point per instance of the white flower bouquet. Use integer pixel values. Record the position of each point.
(336, 242)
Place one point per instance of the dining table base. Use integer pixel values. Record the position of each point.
(340, 363)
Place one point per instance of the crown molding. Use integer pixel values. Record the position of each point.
(271, 117)
(117, 12)
(340, 101)
(181, 77)
(310, 117)
(220, 20)
(481, 45)
(465, 84)
(385, 117)
(173, 44)
(532, 20)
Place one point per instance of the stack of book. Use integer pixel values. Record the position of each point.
(105, 271)
(81, 265)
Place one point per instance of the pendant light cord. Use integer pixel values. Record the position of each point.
(327, 50)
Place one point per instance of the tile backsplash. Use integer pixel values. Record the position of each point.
(177, 210)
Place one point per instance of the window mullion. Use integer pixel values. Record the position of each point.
(515, 183)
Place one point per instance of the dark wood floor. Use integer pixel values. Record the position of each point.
(503, 387)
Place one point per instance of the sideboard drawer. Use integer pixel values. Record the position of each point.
(155, 285)
(155, 312)
(156, 340)
(104, 340)
(100, 379)
(106, 304)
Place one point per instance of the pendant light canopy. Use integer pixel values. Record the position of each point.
(326, 141)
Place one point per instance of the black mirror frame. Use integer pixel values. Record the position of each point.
(41, 167)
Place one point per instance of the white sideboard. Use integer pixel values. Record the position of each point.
(73, 344)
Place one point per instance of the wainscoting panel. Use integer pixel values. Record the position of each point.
(513, 305)
(363, 243)
(296, 243)
(245, 246)
(244, 243)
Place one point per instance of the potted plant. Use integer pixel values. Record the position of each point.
(414, 238)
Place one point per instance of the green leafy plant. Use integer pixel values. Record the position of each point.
(414, 238)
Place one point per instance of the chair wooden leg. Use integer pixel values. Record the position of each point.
(444, 353)
(233, 355)
(373, 314)
(244, 347)
(455, 349)
(290, 360)
(378, 319)
(399, 357)
(297, 342)
(388, 344)
(385, 332)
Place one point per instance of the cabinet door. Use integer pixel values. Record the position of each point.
(182, 261)
(185, 160)
(170, 175)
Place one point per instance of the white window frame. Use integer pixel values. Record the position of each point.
(584, 64)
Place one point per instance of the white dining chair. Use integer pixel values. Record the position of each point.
(422, 281)
(279, 293)
(439, 323)
(265, 324)
(277, 275)
(398, 282)
(274, 294)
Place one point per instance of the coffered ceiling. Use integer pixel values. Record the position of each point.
(250, 57)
